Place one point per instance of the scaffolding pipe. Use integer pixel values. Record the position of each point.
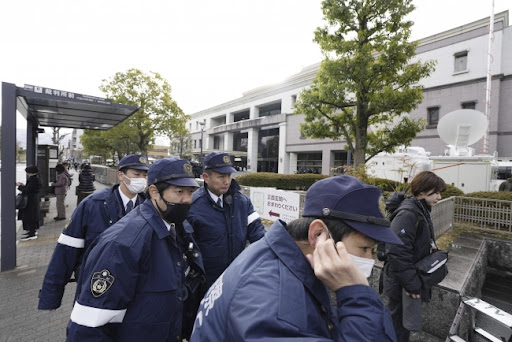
(485, 146)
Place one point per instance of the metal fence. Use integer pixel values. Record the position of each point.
(442, 216)
(479, 213)
(484, 214)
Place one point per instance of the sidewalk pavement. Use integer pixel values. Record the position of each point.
(20, 320)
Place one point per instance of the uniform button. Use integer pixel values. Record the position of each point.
(179, 298)
(178, 264)
(185, 257)
(178, 337)
(330, 326)
(196, 255)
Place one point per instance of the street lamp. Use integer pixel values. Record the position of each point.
(202, 130)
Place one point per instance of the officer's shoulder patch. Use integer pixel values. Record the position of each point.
(101, 282)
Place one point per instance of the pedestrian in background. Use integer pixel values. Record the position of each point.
(85, 186)
(91, 217)
(506, 185)
(412, 223)
(61, 189)
(30, 215)
(306, 281)
(222, 217)
(139, 274)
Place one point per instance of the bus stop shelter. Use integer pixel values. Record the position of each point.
(42, 107)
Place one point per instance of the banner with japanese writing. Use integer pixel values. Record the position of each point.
(272, 204)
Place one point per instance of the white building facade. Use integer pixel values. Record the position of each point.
(262, 134)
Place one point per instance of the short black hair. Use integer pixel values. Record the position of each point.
(161, 186)
(299, 228)
(60, 168)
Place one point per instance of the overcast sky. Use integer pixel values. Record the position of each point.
(210, 51)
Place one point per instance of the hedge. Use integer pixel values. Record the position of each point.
(279, 181)
(498, 195)
(304, 181)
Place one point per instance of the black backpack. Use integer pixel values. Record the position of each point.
(392, 209)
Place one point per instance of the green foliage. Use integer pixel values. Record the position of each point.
(158, 113)
(451, 191)
(279, 181)
(498, 195)
(366, 79)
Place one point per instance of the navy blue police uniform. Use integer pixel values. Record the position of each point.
(93, 215)
(139, 275)
(222, 232)
(270, 292)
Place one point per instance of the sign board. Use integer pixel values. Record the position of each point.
(272, 204)
(66, 94)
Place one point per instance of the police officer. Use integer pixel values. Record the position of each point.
(277, 289)
(92, 216)
(222, 217)
(139, 273)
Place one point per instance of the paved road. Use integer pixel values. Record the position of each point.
(20, 320)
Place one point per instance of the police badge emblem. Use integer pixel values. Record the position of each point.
(101, 282)
(226, 159)
(142, 160)
(187, 168)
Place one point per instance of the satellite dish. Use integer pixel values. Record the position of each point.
(462, 127)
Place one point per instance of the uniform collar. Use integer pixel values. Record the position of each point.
(215, 197)
(125, 198)
(292, 257)
(150, 214)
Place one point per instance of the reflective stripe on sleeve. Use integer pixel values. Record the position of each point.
(94, 317)
(253, 217)
(71, 241)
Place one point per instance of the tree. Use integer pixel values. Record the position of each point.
(119, 141)
(158, 113)
(57, 139)
(366, 79)
(181, 145)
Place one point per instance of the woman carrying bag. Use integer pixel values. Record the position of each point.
(61, 189)
(30, 214)
(404, 284)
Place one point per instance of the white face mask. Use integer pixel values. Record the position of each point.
(136, 185)
(364, 264)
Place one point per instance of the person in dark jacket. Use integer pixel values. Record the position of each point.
(31, 213)
(94, 215)
(412, 223)
(139, 274)
(61, 189)
(300, 283)
(506, 185)
(223, 218)
(86, 183)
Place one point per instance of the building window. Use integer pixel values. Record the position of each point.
(271, 109)
(309, 162)
(195, 143)
(468, 105)
(190, 126)
(241, 116)
(240, 141)
(294, 99)
(216, 142)
(197, 125)
(432, 116)
(461, 61)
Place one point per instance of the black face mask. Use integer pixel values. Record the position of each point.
(175, 212)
